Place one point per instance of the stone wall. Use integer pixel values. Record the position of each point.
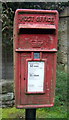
(63, 37)
(7, 66)
(7, 95)
(7, 58)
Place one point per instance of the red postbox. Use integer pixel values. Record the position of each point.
(35, 47)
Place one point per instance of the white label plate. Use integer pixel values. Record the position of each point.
(35, 76)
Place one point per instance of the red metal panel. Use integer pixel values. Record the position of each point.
(35, 31)
(37, 26)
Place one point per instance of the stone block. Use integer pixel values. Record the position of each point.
(7, 87)
(7, 97)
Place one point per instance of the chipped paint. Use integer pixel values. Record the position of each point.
(36, 35)
(54, 49)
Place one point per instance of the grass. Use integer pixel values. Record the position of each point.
(0, 113)
(54, 112)
(13, 113)
(61, 86)
(58, 111)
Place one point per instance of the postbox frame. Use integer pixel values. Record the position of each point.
(17, 55)
(35, 60)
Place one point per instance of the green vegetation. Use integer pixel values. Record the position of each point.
(54, 112)
(0, 113)
(58, 111)
(61, 86)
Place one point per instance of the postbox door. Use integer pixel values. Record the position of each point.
(35, 96)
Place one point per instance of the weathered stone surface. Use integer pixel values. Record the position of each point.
(8, 104)
(0, 104)
(7, 100)
(6, 94)
(0, 89)
(65, 12)
(63, 34)
(7, 87)
(7, 97)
